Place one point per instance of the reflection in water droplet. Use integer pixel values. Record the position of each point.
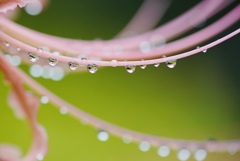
(52, 61)
(103, 136)
(156, 64)
(183, 154)
(73, 65)
(33, 56)
(200, 155)
(163, 151)
(130, 68)
(143, 66)
(144, 146)
(92, 68)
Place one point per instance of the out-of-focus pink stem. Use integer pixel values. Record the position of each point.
(147, 16)
(39, 143)
(170, 48)
(173, 28)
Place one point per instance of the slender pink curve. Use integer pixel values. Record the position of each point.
(171, 29)
(29, 106)
(184, 43)
(216, 146)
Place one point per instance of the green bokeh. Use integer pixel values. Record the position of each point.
(199, 99)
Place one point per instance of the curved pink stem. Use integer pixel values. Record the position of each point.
(147, 16)
(216, 146)
(170, 48)
(168, 31)
(29, 106)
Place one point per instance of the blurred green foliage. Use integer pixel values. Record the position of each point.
(199, 99)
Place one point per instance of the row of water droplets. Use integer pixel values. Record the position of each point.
(183, 154)
(92, 68)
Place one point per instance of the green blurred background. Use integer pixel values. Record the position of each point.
(199, 99)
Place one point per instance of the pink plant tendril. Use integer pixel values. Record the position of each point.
(145, 46)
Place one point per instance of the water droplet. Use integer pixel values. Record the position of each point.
(127, 139)
(183, 154)
(144, 146)
(73, 65)
(205, 50)
(40, 50)
(18, 49)
(145, 47)
(103, 136)
(39, 157)
(36, 70)
(163, 151)
(63, 110)
(143, 66)
(6, 44)
(15, 60)
(92, 68)
(44, 99)
(171, 63)
(52, 61)
(200, 155)
(130, 68)
(233, 148)
(156, 64)
(114, 63)
(33, 56)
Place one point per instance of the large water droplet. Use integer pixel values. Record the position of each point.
(33, 56)
(130, 68)
(143, 66)
(52, 61)
(144, 146)
(44, 99)
(200, 155)
(205, 50)
(171, 63)
(114, 63)
(39, 157)
(156, 64)
(163, 151)
(233, 148)
(92, 68)
(183, 154)
(73, 65)
(103, 136)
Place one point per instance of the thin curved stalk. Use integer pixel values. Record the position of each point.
(39, 142)
(170, 48)
(170, 30)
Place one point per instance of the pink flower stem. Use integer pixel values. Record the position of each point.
(170, 48)
(215, 146)
(170, 30)
(39, 143)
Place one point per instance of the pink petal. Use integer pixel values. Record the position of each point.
(6, 5)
